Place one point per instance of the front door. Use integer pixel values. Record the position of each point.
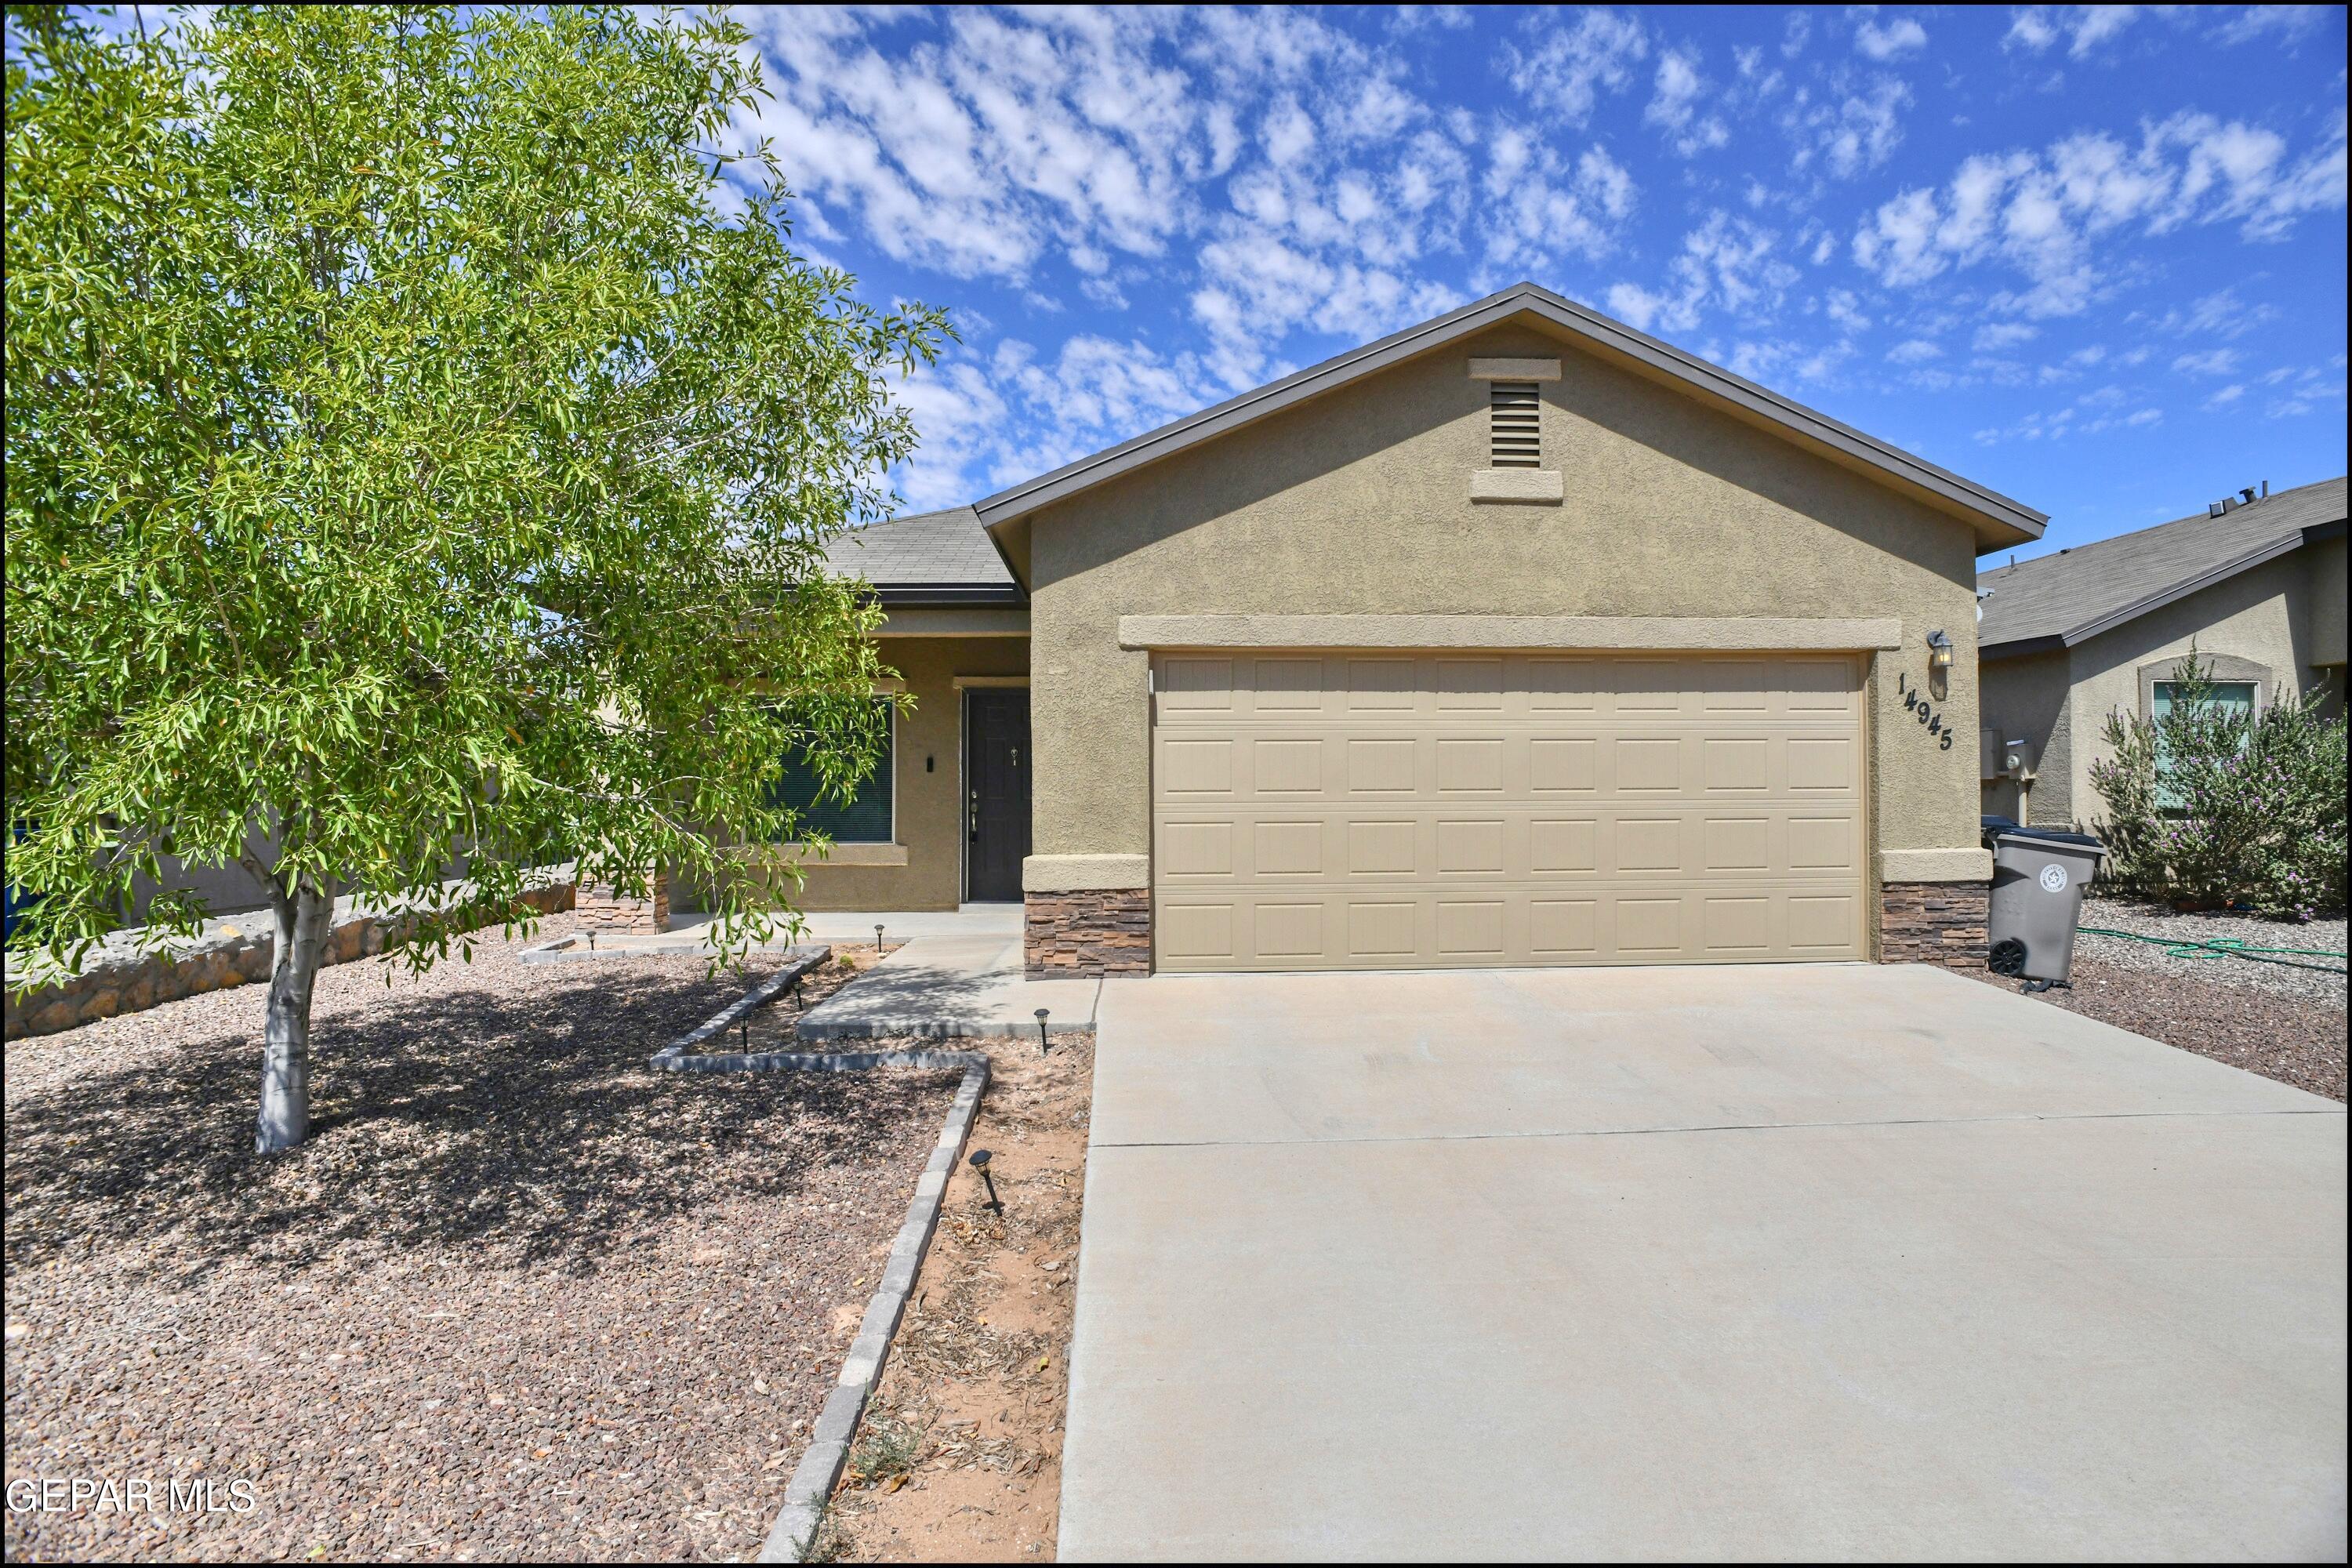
(996, 792)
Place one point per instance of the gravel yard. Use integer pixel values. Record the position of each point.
(2283, 1022)
(958, 1458)
(519, 1296)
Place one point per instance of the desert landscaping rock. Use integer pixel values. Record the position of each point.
(520, 1295)
(2193, 1006)
(2279, 979)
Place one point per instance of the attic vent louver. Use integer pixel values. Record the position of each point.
(1515, 416)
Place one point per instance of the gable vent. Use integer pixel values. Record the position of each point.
(1514, 415)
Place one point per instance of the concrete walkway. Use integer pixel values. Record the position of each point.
(690, 933)
(1797, 1262)
(938, 986)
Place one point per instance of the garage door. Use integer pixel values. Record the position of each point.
(1391, 810)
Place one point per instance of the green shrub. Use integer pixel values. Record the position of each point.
(2211, 805)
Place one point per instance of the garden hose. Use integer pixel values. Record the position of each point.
(2223, 947)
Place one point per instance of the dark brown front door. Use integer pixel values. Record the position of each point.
(996, 790)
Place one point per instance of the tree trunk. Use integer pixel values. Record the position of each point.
(302, 922)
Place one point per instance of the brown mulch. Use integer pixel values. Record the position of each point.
(2210, 1009)
(959, 1455)
(520, 1296)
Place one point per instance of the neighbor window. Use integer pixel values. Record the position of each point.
(2225, 696)
(863, 820)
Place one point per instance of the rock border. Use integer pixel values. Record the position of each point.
(811, 1488)
(235, 950)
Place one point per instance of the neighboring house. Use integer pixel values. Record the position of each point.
(1517, 637)
(2066, 640)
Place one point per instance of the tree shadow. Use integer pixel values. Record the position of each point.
(519, 1126)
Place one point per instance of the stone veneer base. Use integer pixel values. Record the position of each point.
(601, 909)
(1103, 932)
(1933, 923)
(1109, 932)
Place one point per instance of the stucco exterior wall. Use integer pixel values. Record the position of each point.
(2026, 699)
(2327, 592)
(2260, 616)
(1358, 504)
(928, 872)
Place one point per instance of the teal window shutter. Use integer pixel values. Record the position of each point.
(869, 818)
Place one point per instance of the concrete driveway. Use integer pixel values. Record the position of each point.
(1791, 1262)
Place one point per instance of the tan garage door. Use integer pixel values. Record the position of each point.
(1393, 810)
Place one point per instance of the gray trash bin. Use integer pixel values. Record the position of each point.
(2039, 877)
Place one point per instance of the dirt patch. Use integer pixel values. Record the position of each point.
(2205, 1006)
(959, 1455)
(520, 1295)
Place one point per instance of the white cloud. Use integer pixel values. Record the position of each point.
(1895, 40)
(2211, 362)
(1565, 69)
(1546, 207)
(2285, 24)
(2226, 396)
(1850, 130)
(2039, 214)
(2005, 335)
(2221, 313)
(1913, 351)
(2036, 28)
(1842, 306)
(1673, 106)
(1726, 263)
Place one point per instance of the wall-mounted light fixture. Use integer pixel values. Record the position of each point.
(1939, 662)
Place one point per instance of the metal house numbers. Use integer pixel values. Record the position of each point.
(1914, 702)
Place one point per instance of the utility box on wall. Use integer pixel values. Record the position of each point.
(1987, 755)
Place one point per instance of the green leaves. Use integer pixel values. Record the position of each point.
(2210, 801)
(407, 462)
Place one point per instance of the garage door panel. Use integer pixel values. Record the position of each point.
(1377, 810)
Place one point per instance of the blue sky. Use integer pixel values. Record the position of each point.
(2091, 256)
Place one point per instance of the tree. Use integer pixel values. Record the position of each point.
(421, 439)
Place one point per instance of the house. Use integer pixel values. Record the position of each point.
(1517, 637)
(2256, 585)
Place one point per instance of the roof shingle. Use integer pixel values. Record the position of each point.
(2077, 594)
(937, 550)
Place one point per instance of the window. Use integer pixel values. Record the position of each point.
(867, 819)
(2231, 696)
(1515, 414)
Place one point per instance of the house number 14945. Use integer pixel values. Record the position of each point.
(1917, 705)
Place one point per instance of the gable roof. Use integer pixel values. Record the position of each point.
(1998, 520)
(930, 558)
(2058, 601)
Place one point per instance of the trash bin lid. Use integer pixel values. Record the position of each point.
(2051, 836)
(1990, 822)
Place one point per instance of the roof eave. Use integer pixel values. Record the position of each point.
(2075, 635)
(1999, 521)
(940, 596)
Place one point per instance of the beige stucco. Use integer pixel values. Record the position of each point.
(2277, 616)
(923, 868)
(1657, 633)
(2327, 602)
(2025, 699)
(1357, 504)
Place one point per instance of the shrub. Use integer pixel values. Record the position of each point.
(2210, 804)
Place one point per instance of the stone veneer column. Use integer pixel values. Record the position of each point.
(601, 909)
(1933, 923)
(1100, 931)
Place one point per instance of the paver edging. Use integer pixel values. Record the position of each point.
(828, 1451)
